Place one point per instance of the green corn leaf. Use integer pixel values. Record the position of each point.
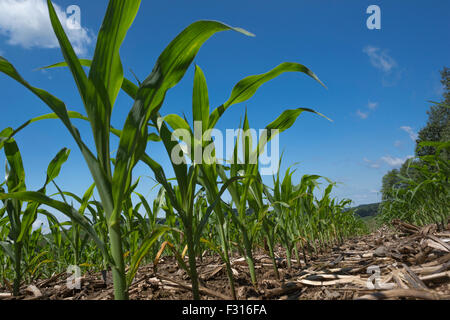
(54, 226)
(147, 208)
(5, 135)
(28, 218)
(168, 71)
(69, 54)
(210, 209)
(170, 145)
(63, 208)
(106, 65)
(8, 250)
(85, 201)
(9, 132)
(282, 123)
(55, 165)
(160, 176)
(175, 121)
(247, 87)
(96, 101)
(214, 248)
(59, 108)
(146, 245)
(83, 62)
(200, 99)
(16, 174)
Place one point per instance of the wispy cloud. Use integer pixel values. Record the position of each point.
(412, 134)
(26, 23)
(395, 162)
(362, 115)
(380, 59)
(397, 143)
(372, 164)
(372, 105)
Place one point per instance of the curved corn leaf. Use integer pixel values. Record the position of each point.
(55, 165)
(5, 135)
(147, 243)
(147, 208)
(160, 176)
(210, 209)
(168, 71)
(28, 218)
(97, 104)
(214, 248)
(175, 121)
(83, 62)
(247, 87)
(16, 174)
(282, 123)
(63, 208)
(59, 108)
(69, 54)
(9, 132)
(8, 250)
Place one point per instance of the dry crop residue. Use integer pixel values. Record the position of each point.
(406, 263)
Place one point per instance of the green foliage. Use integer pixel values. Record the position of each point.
(438, 124)
(366, 210)
(425, 198)
(419, 191)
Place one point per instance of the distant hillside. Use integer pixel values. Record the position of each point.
(367, 210)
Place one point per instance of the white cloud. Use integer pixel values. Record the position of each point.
(380, 59)
(412, 134)
(372, 164)
(26, 23)
(395, 162)
(362, 115)
(372, 105)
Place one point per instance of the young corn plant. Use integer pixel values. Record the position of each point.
(248, 193)
(21, 222)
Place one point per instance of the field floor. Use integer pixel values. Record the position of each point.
(408, 263)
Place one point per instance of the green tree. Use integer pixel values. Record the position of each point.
(437, 129)
(390, 180)
(438, 125)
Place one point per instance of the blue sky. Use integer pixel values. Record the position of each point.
(379, 81)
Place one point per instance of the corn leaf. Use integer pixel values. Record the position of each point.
(63, 208)
(247, 87)
(106, 65)
(200, 99)
(147, 243)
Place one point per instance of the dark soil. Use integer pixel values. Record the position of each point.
(413, 263)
